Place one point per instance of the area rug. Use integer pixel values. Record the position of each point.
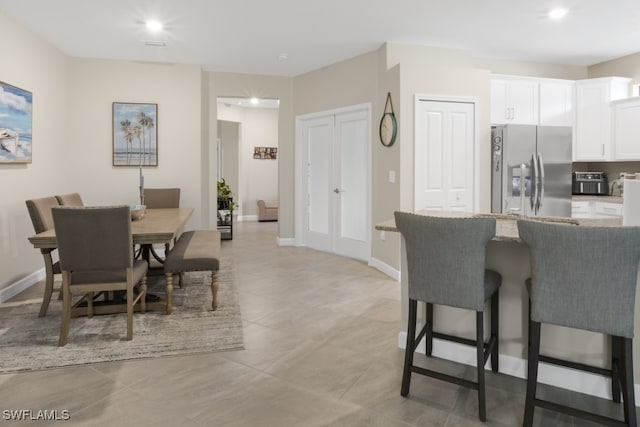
(29, 342)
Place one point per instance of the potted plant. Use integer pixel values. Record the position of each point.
(225, 201)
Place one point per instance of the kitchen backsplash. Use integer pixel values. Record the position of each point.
(612, 169)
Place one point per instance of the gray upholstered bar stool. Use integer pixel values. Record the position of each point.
(583, 278)
(446, 265)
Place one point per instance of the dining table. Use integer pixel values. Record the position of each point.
(157, 226)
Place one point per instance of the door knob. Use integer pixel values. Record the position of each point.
(335, 190)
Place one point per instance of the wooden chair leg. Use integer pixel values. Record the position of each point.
(532, 372)
(130, 301)
(48, 285)
(495, 330)
(410, 348)
(628, 393)
(482, 398)
(66, 314)
(428, 338)
(214, 290)
(169, 291)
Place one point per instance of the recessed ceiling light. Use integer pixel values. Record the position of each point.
(255, 101)
(557, 13)
(154, 26)
(283, 56)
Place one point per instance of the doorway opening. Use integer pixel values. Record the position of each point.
(247, 152)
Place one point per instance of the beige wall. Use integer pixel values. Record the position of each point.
(247, 86)
(533, 69)
(72, 136)
(33, 65)
(627, 66)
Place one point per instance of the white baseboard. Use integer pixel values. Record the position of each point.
(241, 218)
(22, 284)
(557, 376)
(385, 268)
(286, 241)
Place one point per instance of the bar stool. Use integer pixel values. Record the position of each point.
(583, 278)
(446, 265)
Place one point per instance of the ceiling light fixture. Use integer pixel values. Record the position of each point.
(155, 43)
(557, 13)
(154, 26)
(283, 56)
(255, 101)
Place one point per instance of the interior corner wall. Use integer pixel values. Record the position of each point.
(177, 91)
(281, 88)
(627, 66)
(33, 65)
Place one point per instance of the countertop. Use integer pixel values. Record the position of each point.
(606, 199)
(506, 225)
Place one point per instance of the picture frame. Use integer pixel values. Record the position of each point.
(135, 134)
(268, 153)
(16, 124)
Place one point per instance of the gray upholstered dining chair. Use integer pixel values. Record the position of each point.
(71, 199)
(95, 246)
(446, 266)
(40, 213)
(583, 278)
(161, 198)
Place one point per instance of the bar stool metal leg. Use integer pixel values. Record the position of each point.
(482, 399)
(429, 333)
(495, 326)
(532, 372)
(410, 348)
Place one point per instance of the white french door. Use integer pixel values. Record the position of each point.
(445, 156)
(334, 172)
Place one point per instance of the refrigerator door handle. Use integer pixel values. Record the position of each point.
(523, 187)
(540, 182)
(533, 182)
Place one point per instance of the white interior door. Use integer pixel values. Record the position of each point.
(318, 135)
(445, 153)
(334, 163)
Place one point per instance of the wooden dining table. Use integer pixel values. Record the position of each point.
(157, 226)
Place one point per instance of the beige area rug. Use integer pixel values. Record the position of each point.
(29, 342)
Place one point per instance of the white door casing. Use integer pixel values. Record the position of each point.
(446, 155)
(333, 181)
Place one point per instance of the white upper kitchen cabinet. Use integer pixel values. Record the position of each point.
(514, 100)
(626, 129)
(593, 116)
(557, 102)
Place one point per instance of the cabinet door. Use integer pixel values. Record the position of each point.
(556, 103)
(523, 101)
(627, 130)
(593, 124)
(514, 101)
(499, 108)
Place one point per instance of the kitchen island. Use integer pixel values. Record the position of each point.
(509, 256)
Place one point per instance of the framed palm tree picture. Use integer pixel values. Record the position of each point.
(135, 134)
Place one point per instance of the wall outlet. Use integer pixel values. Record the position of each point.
(383, 235)
(392, 176)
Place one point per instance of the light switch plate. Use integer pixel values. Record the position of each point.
(392, 176)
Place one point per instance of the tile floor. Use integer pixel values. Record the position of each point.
(321, 350)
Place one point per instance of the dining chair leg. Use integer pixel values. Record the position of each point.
(628, 393)
(495, 330)
(130, 300)
(410, 348)
(532, 372)
(48, 285)
(428, 338)
(66, 314)
(482, 400)
(616, 347)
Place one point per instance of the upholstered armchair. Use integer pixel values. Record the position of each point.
(267, 212)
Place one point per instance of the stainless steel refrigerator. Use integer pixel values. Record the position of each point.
(531, 170)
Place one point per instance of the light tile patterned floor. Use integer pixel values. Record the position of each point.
(321, 350)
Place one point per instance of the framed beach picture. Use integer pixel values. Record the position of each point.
(16, 119)
(135, 134)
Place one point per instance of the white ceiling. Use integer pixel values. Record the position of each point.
(248, 36)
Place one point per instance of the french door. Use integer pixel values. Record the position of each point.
(334, 173)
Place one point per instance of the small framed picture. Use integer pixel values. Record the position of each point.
(16, 118)
(265, 153)
(135, 134)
